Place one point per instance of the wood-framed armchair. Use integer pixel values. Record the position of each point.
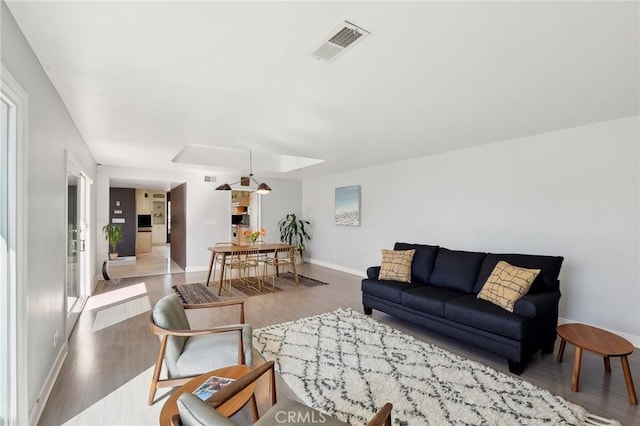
(194, 412)
(187, 353)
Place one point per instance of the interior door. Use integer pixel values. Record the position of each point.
(77, 286)
(74, 267)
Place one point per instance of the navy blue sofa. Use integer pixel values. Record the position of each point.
(442, 297)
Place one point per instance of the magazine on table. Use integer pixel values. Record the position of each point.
(212, 385)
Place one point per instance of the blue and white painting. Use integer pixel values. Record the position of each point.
(347, 210)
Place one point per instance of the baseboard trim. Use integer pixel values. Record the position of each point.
(47, 387)
(337, 267)
(196, 269)
(635, 340)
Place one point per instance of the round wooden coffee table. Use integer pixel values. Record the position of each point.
(227, 409)
(598, 341)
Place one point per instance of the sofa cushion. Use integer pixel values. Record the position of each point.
(428, 299)
(456, 270)
(478, 313)
(423, 260)
(396, 265)
(547, 279)
(507, 284)
(389, 290)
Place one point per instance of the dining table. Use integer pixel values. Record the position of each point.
(224, 251)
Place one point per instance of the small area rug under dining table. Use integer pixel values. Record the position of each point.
(197, 293)
(348, 365)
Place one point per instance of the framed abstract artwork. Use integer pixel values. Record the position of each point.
(347, 206)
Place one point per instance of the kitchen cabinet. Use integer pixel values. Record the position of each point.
(144, 241)
(240, 209)
(240, 198)
(159, 217)
(143, 202)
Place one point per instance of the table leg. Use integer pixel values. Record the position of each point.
(563, 343)
(629, 381)
(213, 257)
(292, 259)
(577, 363)
(607, 364)
(222, 271)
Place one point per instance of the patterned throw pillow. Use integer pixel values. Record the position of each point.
(507, 284)
(396, 265)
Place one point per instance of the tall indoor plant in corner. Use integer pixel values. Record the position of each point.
(292, 231)
(113, 234)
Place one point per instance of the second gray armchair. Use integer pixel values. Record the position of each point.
(194, 412)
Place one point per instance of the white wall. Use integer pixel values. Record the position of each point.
(573, 193)
(208, 210)
(275, 206)
(50, 133)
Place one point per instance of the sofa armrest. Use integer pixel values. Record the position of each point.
(538, 304)
(373, 272)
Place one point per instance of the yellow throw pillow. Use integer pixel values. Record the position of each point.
(507, 284)
(396, 265)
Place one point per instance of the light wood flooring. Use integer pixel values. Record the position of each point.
(157, 261)
(105, 377)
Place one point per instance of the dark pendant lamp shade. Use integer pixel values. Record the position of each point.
(262, 189)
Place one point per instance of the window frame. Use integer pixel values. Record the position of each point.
(16, 274)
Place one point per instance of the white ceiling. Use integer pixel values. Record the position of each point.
(143, 80)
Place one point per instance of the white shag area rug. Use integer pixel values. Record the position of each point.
(348, 365)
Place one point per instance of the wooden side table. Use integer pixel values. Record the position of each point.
(601, 342)
(227, 409)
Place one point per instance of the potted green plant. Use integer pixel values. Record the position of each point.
(113, 234)
(292, 231)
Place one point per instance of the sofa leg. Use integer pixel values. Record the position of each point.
(516, 367)
(367, 310)
(547, 348)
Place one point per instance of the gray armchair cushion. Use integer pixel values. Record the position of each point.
(288, 412)
(212, 351)
(194, 412)
(169, 313)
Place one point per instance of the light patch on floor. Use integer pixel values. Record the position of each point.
(115, 296)
(157, 261)
(126, 405)
(118, 313)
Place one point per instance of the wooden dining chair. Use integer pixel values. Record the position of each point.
(281, 258)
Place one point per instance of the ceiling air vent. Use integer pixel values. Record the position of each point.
(340, 39)
(209, 178)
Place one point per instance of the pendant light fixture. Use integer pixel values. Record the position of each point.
(263, 188)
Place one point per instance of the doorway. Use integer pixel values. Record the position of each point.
(245, 212)
(77, 267)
